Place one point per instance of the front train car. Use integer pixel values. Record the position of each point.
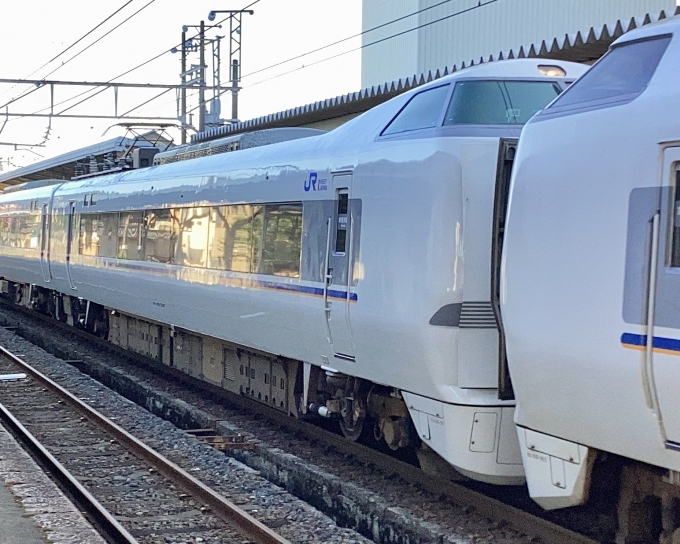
(347, 274)
(591, 285)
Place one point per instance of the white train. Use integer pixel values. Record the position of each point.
(348, 273)
(591, 286)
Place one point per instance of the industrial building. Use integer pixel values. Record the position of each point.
(406, 37)
(409, 42)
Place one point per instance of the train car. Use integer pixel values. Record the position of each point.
(245, 140)
(591, 284)
(347, 274)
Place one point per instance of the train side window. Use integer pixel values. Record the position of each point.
(107, 232)
(88, 241)
(192, 246)
(239, 242)
(619, 77)
(256, 254)
(422, 111)
(230, 238)
(282, 240)
(5, 230)
(217, 238)
(131, 236)
(160, 236)
(29, 230)
(675, 245)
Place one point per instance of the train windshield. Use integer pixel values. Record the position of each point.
(499, 102)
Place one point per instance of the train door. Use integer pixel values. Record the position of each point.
(662, 343)
(45, 243)
(69, 240)
(337, 293)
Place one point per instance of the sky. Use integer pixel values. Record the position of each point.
(36, 31)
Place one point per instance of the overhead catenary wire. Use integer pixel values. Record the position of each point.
(96, 92)
(70, 47)
(461, 12)
(83, 50)
(101, 37)
(347, 38)
(381, 40)
(46, 137)
(467, 10)
(86, 34)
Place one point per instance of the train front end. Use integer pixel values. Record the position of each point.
(590, 280)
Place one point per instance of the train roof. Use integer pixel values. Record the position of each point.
(665, 26)
(514, 69)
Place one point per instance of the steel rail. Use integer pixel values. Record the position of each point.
(112, 529)
(221, 507)
(494, 509)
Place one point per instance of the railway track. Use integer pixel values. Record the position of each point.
(501, 514)
(132, 493)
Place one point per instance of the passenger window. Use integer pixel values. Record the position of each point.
(160, 236)
(5, 230)
(256, 257)
(89, 235)
(498, 102)
(675, 248)
(619, 77)
(282, 240)
(422, 111)
(193, 237)
(107, 233)
(28, 231)
(131, 236)
(217, 236)
(240, 238)
(230, 238)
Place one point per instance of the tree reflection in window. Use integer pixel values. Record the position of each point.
(193, 236)
(256, 239)
(131, 236)
(162, 227)
(282, 240)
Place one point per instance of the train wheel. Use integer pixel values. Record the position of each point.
(352, 410)
(649, 506)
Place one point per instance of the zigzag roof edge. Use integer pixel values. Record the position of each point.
(607, 31)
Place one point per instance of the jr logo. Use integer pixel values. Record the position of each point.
(310, 184)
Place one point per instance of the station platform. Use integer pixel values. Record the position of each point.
(33, 510)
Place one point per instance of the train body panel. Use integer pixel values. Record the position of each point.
(363, 252)
(588, 272)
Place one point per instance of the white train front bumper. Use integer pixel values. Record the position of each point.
(557, 471)
(479, 441)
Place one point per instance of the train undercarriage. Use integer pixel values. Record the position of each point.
(299, 389)
(647, 498)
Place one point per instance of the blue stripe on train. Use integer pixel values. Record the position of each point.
(658, 342)
(257, 284)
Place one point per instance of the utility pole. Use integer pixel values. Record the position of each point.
(234, 89)
(184, 90)
(234, 53)
(201, 92)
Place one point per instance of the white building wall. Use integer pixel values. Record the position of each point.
(473, 31)
(397, 55)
